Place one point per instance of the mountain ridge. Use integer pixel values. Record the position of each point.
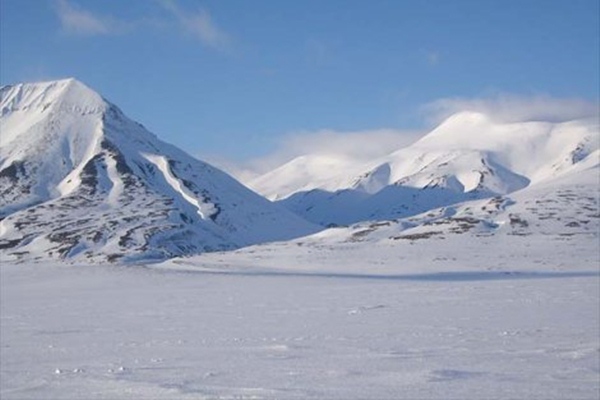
(468, 156)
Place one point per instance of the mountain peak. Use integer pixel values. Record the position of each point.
(27, 95)
(463, 129)
(467, 117)
(68, 95)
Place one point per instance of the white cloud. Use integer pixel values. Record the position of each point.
(76, 20)
(361, 146)
(514, 108)
(198, 24)
(357, 144)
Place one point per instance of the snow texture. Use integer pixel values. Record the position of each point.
(455, 318)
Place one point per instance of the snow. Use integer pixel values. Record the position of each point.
(23, 106)
(302, 322)
(303, 173)
(530, 149)
(117, 187)
(205, 210)
(60, 120)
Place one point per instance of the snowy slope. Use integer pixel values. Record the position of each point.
(301, 174)
(78, 179)
(467, 157)
(563, 210)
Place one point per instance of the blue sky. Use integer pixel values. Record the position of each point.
(234, 79)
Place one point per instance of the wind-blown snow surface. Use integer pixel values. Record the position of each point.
(79, 180)
(465, 158)
(470, 320)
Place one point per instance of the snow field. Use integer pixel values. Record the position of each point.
(113, 332)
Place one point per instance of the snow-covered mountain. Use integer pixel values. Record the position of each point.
(79, 180)
(566, 208)
(467, 157)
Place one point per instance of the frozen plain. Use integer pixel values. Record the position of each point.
(507, 318)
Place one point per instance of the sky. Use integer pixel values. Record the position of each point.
(238, 82)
